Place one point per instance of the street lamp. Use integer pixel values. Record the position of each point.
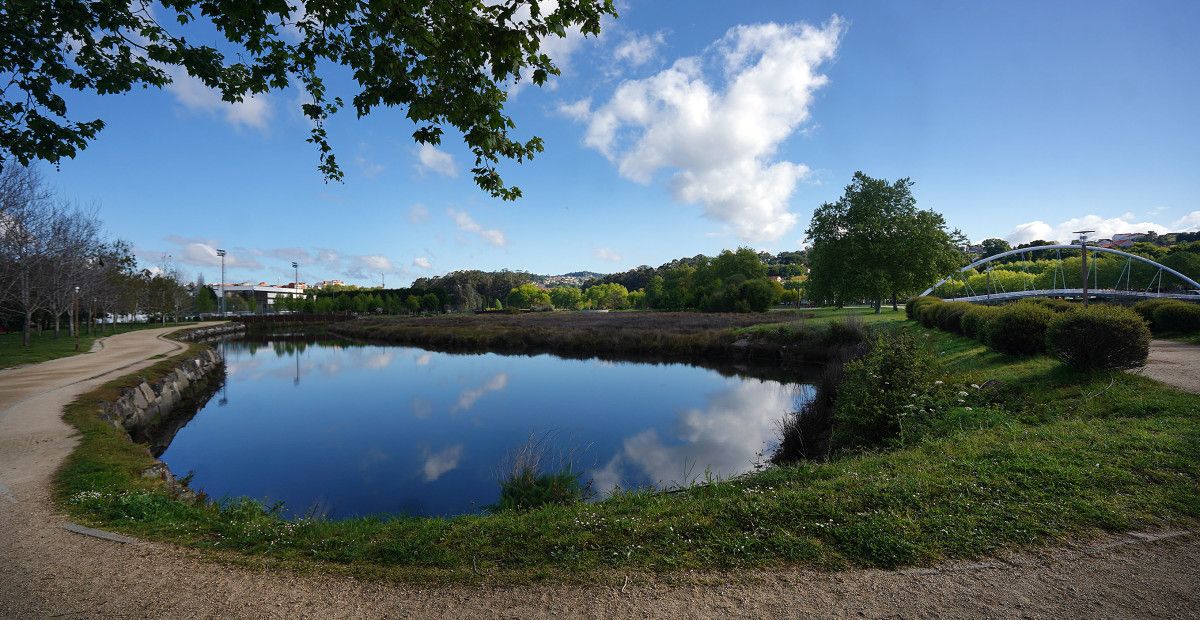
(76, 317)
(221, 253)
(1083, 266)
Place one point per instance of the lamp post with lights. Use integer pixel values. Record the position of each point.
(221, 253)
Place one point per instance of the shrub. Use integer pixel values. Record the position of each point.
(911, 306)
(879, 390)
(1177, 316)
(1050, 303)
(1099, 337)
(974, 321)
(949, 315)
(926, 312)
(528, 489)
(1019, 329)
(1146, 309)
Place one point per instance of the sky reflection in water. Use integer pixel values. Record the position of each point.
(346, 430)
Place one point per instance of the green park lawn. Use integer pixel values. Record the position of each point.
(44, 346)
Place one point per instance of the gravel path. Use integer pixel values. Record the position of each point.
(1175, 363)
(47, 571)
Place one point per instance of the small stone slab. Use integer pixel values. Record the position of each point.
(95, 533)
(6, 494)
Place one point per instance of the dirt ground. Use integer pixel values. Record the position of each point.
(47, 571)
(1175, 363)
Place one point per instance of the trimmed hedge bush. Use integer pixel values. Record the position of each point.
(1019, 329)
(1057, 305)
(926, 313)
(1099, 337)
(1146, 309)
(912, 305)
(1177, 316)
(949, 315)
(975, 321)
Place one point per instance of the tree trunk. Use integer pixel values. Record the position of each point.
(57, 320)
(27, 333)
(878, 305)
(894, 306)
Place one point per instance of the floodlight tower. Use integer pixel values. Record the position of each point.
(221, 253)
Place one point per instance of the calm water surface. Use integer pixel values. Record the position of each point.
(345, 430)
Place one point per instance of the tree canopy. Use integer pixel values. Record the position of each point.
(447, 63)
(874, 244)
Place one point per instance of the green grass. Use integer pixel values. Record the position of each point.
(1046, 455)
(44, 346)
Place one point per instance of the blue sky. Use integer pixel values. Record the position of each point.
(688, 127)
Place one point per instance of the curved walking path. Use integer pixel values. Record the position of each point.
(1175, 363)
(47, 571)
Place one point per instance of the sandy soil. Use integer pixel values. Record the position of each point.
(1175, 363)
(46, 571)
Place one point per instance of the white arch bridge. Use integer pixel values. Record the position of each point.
(1138, 278)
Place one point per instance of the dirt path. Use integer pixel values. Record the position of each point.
(46, 571)
(1175, 363)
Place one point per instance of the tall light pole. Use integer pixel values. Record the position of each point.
(221, 253)
(1083, 268)
(76, 317)
(296, 286)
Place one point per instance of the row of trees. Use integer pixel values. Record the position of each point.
(54, 259)
(733, 281)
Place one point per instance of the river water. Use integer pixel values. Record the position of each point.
(337, 429)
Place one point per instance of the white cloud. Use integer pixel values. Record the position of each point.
(466, 223)
(432, 159)
(1187, 223)
(422, 262)
(376, 262)
(637, 50)
(724, 438)
(720, 137)
(418, 214)
(437, 464)
(370, 169)
(468, 398)
(1104, 227)
(579, 110)
(254, 111)
(606, 254)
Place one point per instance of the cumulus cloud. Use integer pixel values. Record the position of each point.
(418, 214)
(606, 254)
(422, 262)
(369, 168)
(469, 397)
(437, 464)
(468, 224)
(724, 437)
(719, 136)
(1104, 227)
(432, 159)
(637, 50)
(254, 111)
(576, 110)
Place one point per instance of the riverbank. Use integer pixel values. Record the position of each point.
(1045, 456)
(786, 337)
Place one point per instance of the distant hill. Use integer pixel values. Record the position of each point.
(575, 278)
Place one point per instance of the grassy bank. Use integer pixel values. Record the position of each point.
(788, 336)
(1039, 455)
(44, 346)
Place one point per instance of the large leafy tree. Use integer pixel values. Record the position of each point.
(448, 63)
(874, 244)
